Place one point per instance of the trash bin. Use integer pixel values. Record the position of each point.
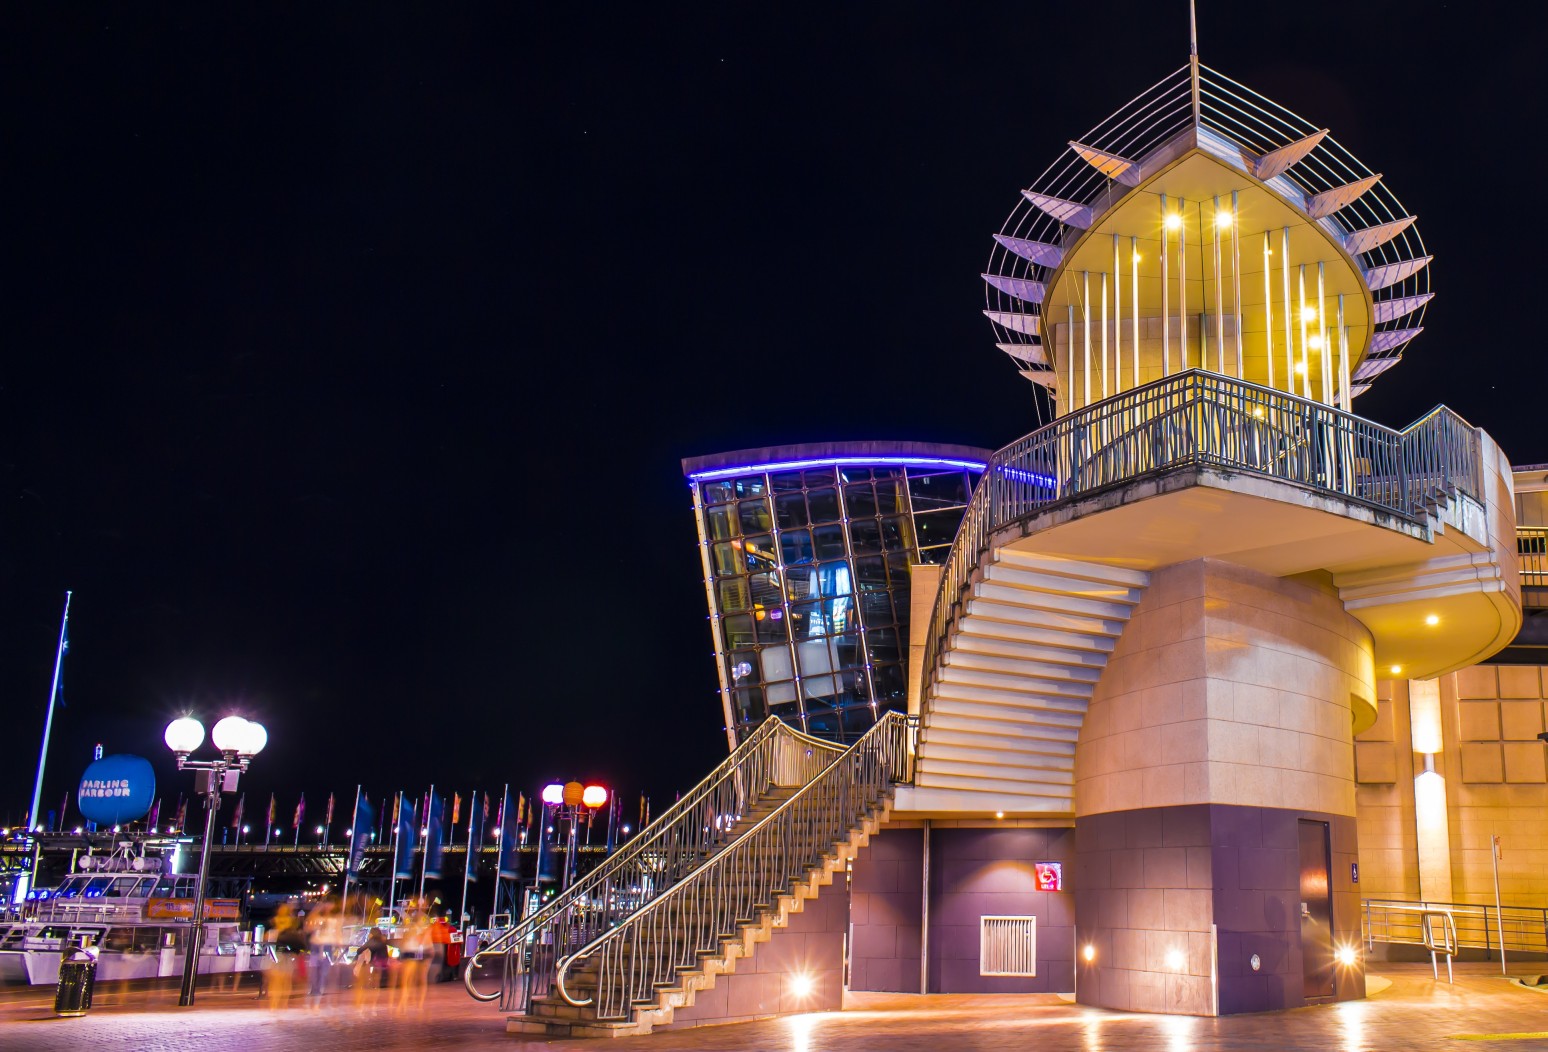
(77, 975)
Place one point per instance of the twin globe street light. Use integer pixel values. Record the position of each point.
(238, 740)
(575, 802)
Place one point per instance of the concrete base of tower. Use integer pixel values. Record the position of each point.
(1216, 909)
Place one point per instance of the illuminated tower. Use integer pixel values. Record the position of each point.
(1167, 611)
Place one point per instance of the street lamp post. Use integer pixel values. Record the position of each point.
(238, 740)
(574, 802)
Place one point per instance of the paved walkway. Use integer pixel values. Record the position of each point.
(1413, 1013)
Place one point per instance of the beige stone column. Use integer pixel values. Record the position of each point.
(1432, 826)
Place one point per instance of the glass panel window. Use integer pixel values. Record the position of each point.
(935, 556)
(806, 620)
(852, 474)
(865, 535)
(790, 509)
(732, 593)
(750, 486)
(938, 491)
(882, 643)
(890, 685)
(859, 501)
(795, 547)
(824, 505)
(725, 558)
(870, 574)
(772, 624)
(737, 630)
(876, 608)
(801, 582)
(889, 493)
(857, 719)
(835, 579)
(722, 527)
(755, 516)
(749, 704)
(830, 542)
(937, 527)
(819, 477)
(767, 591)
(896, 535)
(760, 552)
(719, 492)
(789, 482)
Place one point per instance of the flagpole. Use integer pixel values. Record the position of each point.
(467, 865)
(424, 862)
(392, 870)
(505, 801)
(353, 817)
(48, 721)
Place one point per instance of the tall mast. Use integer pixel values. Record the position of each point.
(1193, 57)
(48, 721)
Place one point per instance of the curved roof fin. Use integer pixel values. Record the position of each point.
(1330, 201)
(1039, 252)
(1393, 309)
(1071, 212)
(1031, 353)
(1026, 324)
(1024, 289)
(1391, 339)
(1276, 161)
(1391, 273)
(1111, 165)
(1375, 236)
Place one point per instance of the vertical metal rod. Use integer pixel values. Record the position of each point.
(424, 862)
(1322, 327)
(467, 868)
(48, 720)
(1343, 358)
(1085, 351)
(1105, 389)
(924, 913)
(1117, 319)
(191, 952)
(1284, 270)
(1268, 306)
(1182, 282)
(1236, 281)
(1069, 339)
(1193, 61)
(353, 816)
(1305, 364)
(1499, 913)
(714, 621)
(1219, 293)
(392, 869)
(494, 907)
(1134, 298)
(1166, 308)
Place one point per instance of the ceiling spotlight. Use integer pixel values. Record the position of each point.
(1174, 222)
(1300, 368)
(1308, 313)
(1432, 620)
(1397, 670)
(1222, 219)
(1314, 342)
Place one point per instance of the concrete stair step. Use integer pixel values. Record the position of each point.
(1014, 631)
(1019, 683)
(1040, 776)
(1001, 591)
(1073, 568)
(1057, 584)
(995, 609)
(1081, 659)
(1014, 665)
(971, 693)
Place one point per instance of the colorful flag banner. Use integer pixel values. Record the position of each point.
(236, 816)
(510, 859)
(475, 831)
(328, 818)
(300, 812)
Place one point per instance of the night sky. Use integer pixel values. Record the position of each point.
(349, 355)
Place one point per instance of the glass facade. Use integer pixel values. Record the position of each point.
(808, 580)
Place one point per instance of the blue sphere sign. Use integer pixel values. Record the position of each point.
(117, 789)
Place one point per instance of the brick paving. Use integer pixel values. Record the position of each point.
(1413, 1013)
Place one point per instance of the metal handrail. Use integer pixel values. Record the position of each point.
(1203, 419)
(694, 827)
(745, 880)
(1532, 549)
(1523, 929)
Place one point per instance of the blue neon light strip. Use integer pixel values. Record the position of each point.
(826, 462)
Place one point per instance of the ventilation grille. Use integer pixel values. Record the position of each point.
(1007, 946)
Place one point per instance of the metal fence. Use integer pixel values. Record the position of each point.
(693, 918)
(1523, 929)
(1203, 419)
(699, 824)
(1532, 547)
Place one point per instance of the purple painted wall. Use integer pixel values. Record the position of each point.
(885, 894)
(810, 947)
(988, 872)
(1151, 882)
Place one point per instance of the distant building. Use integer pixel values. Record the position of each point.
(806, 552)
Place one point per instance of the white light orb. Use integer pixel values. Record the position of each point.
(553, 793)
(184, 734)
(257, 738)
(594, 796)
(229, 734)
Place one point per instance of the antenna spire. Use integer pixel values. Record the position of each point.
(1193, 58)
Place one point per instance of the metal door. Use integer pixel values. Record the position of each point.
(1316, 911)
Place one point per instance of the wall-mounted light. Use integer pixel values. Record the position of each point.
(1176, 960)
(801, 984)
(1346, 956)
(1432, 620)
(1089, 953)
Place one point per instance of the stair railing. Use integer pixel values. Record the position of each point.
(700, 823)
(653, 944)
(1198, 419)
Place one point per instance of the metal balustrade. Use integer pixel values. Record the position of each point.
(1203, 419)
(1524, 929)
(700, 823)
(1532, 548)
(742, 884)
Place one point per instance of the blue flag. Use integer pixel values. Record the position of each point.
(433, 835)
(360, 838)
(510, 858)
(475, 833)
(408, 833)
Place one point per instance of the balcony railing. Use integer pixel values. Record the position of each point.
(1201, 419)
(1532, 547)
(1523, 929)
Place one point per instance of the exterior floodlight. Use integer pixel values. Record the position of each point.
(1222, 219)
(574, 793)
(184, 735)
(1308, 313)
(553, 793)
(594, 796)
(1174, 221)
(257, 738)
(230, 734)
